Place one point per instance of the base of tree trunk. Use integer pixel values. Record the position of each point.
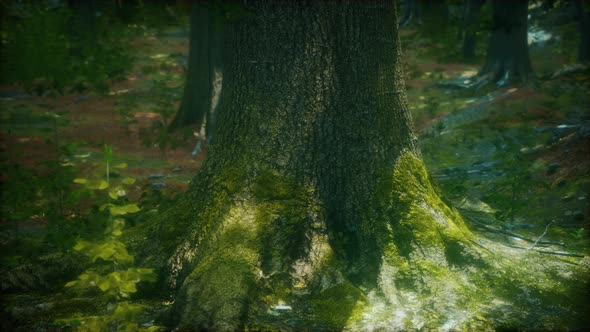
(258, 266)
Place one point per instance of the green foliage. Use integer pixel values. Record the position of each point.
(43, 192)
(41, 52)
(119, 284)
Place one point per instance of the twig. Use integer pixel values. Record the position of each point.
(545, 232)
(505, 232)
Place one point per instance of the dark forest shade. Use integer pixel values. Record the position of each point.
(507, 57)
(314, 164)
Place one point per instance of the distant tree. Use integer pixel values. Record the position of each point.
(83, 26)
(470, 20)
(582, 10)
(507, 58)
(205, 65)
(410, 12)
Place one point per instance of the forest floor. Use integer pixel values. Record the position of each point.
(514, 160)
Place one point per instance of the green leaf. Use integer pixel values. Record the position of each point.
(121, 165)
(106, 253)
(128, 180)
(103, 185)
(80, 245)
(105, 206)
(80, 181)
(97, 185)
(71, 283)
(124, 209)
(104, 284)
(113, 194)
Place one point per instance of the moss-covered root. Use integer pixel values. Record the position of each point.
(414, 228)
(217, 294)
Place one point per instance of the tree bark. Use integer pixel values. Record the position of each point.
(583, 12)
(314, 187)
(507, 58)
(470, 20)
(204, 64)
(82, 32)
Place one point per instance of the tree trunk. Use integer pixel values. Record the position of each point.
(583, 12)
(470, 20)
(507, 57)
(204, 68)
(314, 188)
(410, 13)
(82, 32)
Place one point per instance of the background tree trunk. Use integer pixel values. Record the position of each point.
(314, 186)
(470, 20)
(507, 58)
(83, 32)
(583, 12)
(204, 61)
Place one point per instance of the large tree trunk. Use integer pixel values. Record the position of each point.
(507, 57)
(314, 194)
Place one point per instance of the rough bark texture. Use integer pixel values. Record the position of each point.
(204, 61)
(295, 198)
(313, 194)
(507, 58)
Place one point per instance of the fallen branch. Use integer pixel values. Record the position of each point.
(505, 232)
(558, 253)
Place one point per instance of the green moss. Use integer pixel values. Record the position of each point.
(247, 252)
(270, 185)
(339, 305)
(222, 285)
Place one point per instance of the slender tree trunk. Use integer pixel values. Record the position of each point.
(583, 12)
(83, 26)
(411, 13)
(314, 186)
(470, 20)
(197, 91)
(204, 66)
(507, 57)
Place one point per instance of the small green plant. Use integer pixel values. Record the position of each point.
(111, 254)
